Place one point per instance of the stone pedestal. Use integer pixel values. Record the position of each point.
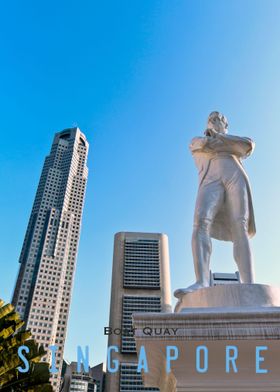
(230, 295)
(205, 327)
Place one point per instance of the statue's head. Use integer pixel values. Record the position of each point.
(218, 122)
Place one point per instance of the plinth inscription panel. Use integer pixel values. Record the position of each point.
(250, 334)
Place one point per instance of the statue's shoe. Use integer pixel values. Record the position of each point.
(196, 286)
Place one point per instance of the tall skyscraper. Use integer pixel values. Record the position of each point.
(43, 289)
(140, 283)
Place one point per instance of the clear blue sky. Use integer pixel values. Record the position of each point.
(139, 78)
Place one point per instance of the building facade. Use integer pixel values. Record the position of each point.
(217, 278)
(140, 283)
(83, 381)
(43, 289)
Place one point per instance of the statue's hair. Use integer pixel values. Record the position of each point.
(218, 114)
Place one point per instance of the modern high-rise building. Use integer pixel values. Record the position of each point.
(43, 289)
(140, 283)
(218, 278)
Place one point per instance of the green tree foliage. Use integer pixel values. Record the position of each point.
(11, 338)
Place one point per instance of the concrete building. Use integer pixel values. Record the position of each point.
(217, 278)
(140, 283)
(43, 289)
(90, 381)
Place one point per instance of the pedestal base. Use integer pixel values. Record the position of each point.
(245, 331)
(230, 295)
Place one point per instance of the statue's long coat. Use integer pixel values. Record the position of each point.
(239, 148)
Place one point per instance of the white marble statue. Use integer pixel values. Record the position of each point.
(224, 208)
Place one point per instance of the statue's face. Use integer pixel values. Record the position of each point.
(218, 122)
